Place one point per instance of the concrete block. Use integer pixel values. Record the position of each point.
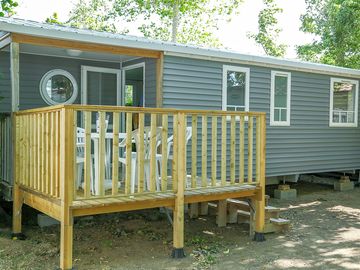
(46, 221)
(289, 194)
(344, 186)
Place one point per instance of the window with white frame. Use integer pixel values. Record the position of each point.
(58, 86)
(280, 98)
(343, 102)
(236, 82)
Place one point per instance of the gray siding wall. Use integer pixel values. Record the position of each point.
(308, 145)
(150, 79)
(5, 85)
(32, 68)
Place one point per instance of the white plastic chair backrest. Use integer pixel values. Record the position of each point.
(147, 140)
(98, 123)
(170, 141)
(147, 137)
(80, 141)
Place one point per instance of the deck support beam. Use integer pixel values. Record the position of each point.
(67, 176)
(222, 213)
(14, 73)
(17, 212)
(159, 80)
(260, 198)
(17, 194)
(178, 227)
(66, 239)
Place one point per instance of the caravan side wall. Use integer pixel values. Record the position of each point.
(307, 145)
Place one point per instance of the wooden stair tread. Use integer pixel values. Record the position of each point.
(243, 213)
(218, 190)
(280, 221)
(272, 209)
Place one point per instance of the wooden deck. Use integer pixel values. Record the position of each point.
(46, 175)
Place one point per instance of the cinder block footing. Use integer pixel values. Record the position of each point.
(289, 194)
(46, 221)
(344, 186)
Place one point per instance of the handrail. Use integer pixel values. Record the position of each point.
(103, 108)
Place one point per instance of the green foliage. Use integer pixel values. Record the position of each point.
(7, 8)
(183, 21)
(336, 26)
(93, 15)
(268, 31)
(54, 19)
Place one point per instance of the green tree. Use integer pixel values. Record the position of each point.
(268, 30)
(93, 15)
(54, 19)
(183, 21)
(336, 26)
(7, 8)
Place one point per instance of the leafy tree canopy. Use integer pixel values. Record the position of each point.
(336, 25)
(268, 30)
(184, 21)
(93, 15)
(7, 8)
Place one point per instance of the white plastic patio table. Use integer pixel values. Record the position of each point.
(95, 138)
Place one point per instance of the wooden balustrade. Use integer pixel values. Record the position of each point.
(122, 151)
(37, 152)
(75, 160)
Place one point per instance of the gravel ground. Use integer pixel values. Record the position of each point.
(325, 234)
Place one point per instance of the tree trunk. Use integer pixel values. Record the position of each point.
(175, 22)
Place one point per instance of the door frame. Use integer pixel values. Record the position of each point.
(86, 69)
(124, 69)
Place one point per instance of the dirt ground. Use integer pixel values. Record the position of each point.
(325, 234)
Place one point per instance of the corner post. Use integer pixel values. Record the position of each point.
(178, 227)
(260, 200)
(17, 195)
(159, 80)
(67, 173)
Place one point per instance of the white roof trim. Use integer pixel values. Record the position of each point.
(68, 33)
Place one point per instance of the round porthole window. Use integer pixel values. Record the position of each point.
(58, 87)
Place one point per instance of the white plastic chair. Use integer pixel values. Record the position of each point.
(80, 155)
(147, 153)
(107, 145)
(188, 135)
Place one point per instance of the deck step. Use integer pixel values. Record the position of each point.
(272, 209)
(277, 225)
(280, 221)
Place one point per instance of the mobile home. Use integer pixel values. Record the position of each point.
(76, 101)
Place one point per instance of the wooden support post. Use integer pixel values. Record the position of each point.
(204, 208)
(194, 210)
(260, 199)
(17, 195)
(159, 80)
(17, 212)
(252, 217)
(178, 223)
(67, 175)
(232, 215)
(222, 213)
(14, 73)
